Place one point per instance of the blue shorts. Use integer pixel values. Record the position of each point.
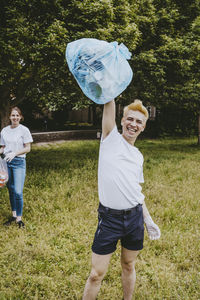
(113, 225)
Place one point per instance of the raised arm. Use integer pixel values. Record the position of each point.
(108, 119)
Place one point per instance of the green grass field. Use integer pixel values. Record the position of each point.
(50, 259)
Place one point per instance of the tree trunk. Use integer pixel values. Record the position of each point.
(118, 113)
(199, 129)
(4, 115)
(94, 114)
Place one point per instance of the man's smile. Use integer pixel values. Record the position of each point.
(131, 129)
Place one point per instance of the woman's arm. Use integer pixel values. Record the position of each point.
(11, 155)
(26, 149)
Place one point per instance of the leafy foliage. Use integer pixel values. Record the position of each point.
(163, 37)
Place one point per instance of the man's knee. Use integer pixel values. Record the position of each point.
(128, 266)
(96, 276)
(128, 260)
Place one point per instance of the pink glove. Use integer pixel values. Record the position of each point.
(152, 229)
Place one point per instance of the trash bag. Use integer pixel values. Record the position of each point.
(3, 173)
(100, 68)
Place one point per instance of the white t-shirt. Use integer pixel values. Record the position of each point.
(14, 138)
(120, 172)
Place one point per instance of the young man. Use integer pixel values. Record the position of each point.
(122, 210)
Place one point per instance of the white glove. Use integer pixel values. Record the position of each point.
(9, 156)
(152, 229)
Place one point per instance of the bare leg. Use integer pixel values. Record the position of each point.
(128, 260)
(99, 268)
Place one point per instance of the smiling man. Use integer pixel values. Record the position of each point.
(122, 211)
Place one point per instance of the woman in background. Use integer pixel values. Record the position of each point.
(15, 142)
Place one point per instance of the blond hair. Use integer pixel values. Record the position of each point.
(136, 105)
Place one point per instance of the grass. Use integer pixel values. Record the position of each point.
(50, 259)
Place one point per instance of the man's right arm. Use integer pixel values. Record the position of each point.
(108, 119)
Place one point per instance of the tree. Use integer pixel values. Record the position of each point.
(33, 38)
(165, 61)
(32, 43)
(163, 37)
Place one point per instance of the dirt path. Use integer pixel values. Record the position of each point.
(49, 143)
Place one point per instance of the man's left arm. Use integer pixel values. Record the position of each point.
(152, 229)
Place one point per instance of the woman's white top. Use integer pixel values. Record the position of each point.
(14, 138)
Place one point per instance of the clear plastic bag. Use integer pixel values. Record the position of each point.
(100, 68)
(3, 173)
